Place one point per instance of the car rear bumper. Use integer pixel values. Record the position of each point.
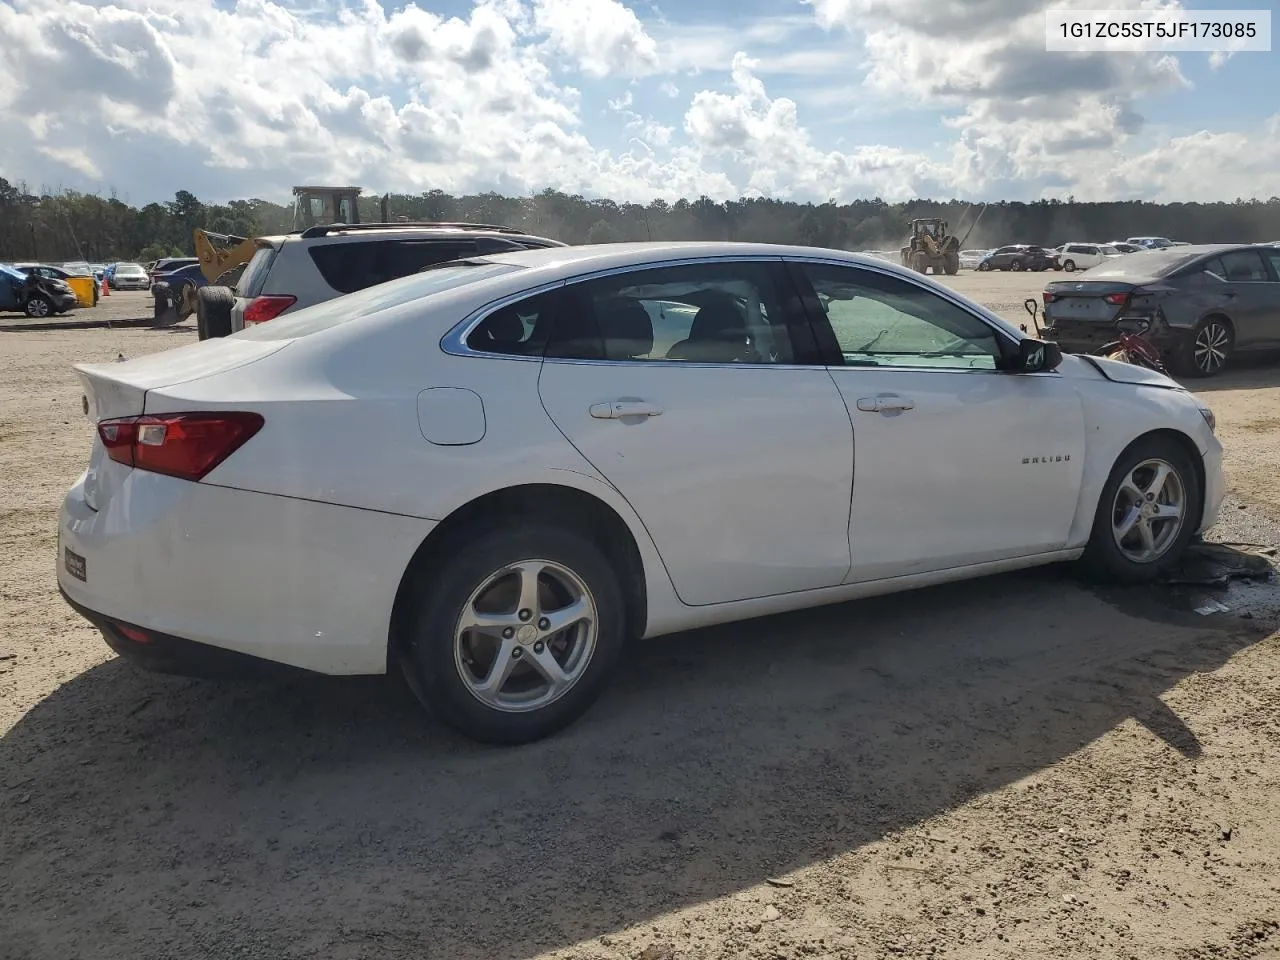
(163, 653)
(202, 567)
(1075, 336)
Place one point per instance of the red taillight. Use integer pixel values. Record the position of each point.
(184, 445)
(1048, 297)
(264, 308)
(1119, 299)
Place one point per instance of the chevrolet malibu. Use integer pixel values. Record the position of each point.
(492, 473)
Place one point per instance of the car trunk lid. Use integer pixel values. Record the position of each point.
(1099, 301)
(119, 389)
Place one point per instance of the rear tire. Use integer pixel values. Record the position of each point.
(1133, 497)
(1207, 351)
(449, 665)
(213, 312)
(1015, 266)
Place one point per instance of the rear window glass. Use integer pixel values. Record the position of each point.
(339, 310)
(255, 272)
(357, 264)
(1148, 263)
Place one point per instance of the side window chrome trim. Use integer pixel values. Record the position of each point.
(455, 341)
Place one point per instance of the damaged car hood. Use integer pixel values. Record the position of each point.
(1120, 372)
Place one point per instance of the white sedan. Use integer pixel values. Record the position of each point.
(492, 473)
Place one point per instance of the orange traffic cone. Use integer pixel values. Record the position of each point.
(106, 288)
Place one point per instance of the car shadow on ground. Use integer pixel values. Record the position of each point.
(1248, 372)
(328, 818)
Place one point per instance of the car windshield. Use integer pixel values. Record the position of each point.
(373, 299)
(11, 272)
(1151, 263)
(129, 268)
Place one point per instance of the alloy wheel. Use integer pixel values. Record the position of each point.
(1210, 347)
(1148, 511)
(526, 636)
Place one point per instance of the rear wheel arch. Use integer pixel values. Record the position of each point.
(562, 506)
(1219, 315)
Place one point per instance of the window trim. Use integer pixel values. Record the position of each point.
(796, 316)
(829, 345)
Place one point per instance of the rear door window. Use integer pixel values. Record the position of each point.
(358, 264)
(1244, 266)
(1273, 257)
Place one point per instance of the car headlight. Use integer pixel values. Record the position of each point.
(1209, 418)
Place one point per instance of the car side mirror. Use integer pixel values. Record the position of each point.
(1036, 356)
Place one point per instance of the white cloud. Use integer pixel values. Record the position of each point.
(150, 96)
(764, 135)
(603, 35)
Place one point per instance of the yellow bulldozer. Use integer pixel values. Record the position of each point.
(222, 254)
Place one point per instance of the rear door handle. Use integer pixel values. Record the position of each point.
(885, 404)
(617, 409)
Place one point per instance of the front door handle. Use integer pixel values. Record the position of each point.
(618, 409)
(885, 404)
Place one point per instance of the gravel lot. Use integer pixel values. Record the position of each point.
(1015, 767)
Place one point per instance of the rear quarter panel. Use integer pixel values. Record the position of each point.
(341, 411)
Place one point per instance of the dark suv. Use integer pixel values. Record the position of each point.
(1019, 256)
(322, 262)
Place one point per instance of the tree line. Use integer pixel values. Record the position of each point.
(68, 225)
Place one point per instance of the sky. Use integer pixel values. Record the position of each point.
(808, 100)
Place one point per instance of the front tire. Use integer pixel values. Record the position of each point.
(38, 306)
(515, 634)
(920, 263)
(1069, 266)
(1147, 514)
(1015, 266)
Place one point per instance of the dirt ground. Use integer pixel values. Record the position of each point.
(1014, 767)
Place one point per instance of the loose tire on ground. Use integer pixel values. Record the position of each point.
(1138, 483)
(1207, 350)
(213, 311)
(444, 663)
